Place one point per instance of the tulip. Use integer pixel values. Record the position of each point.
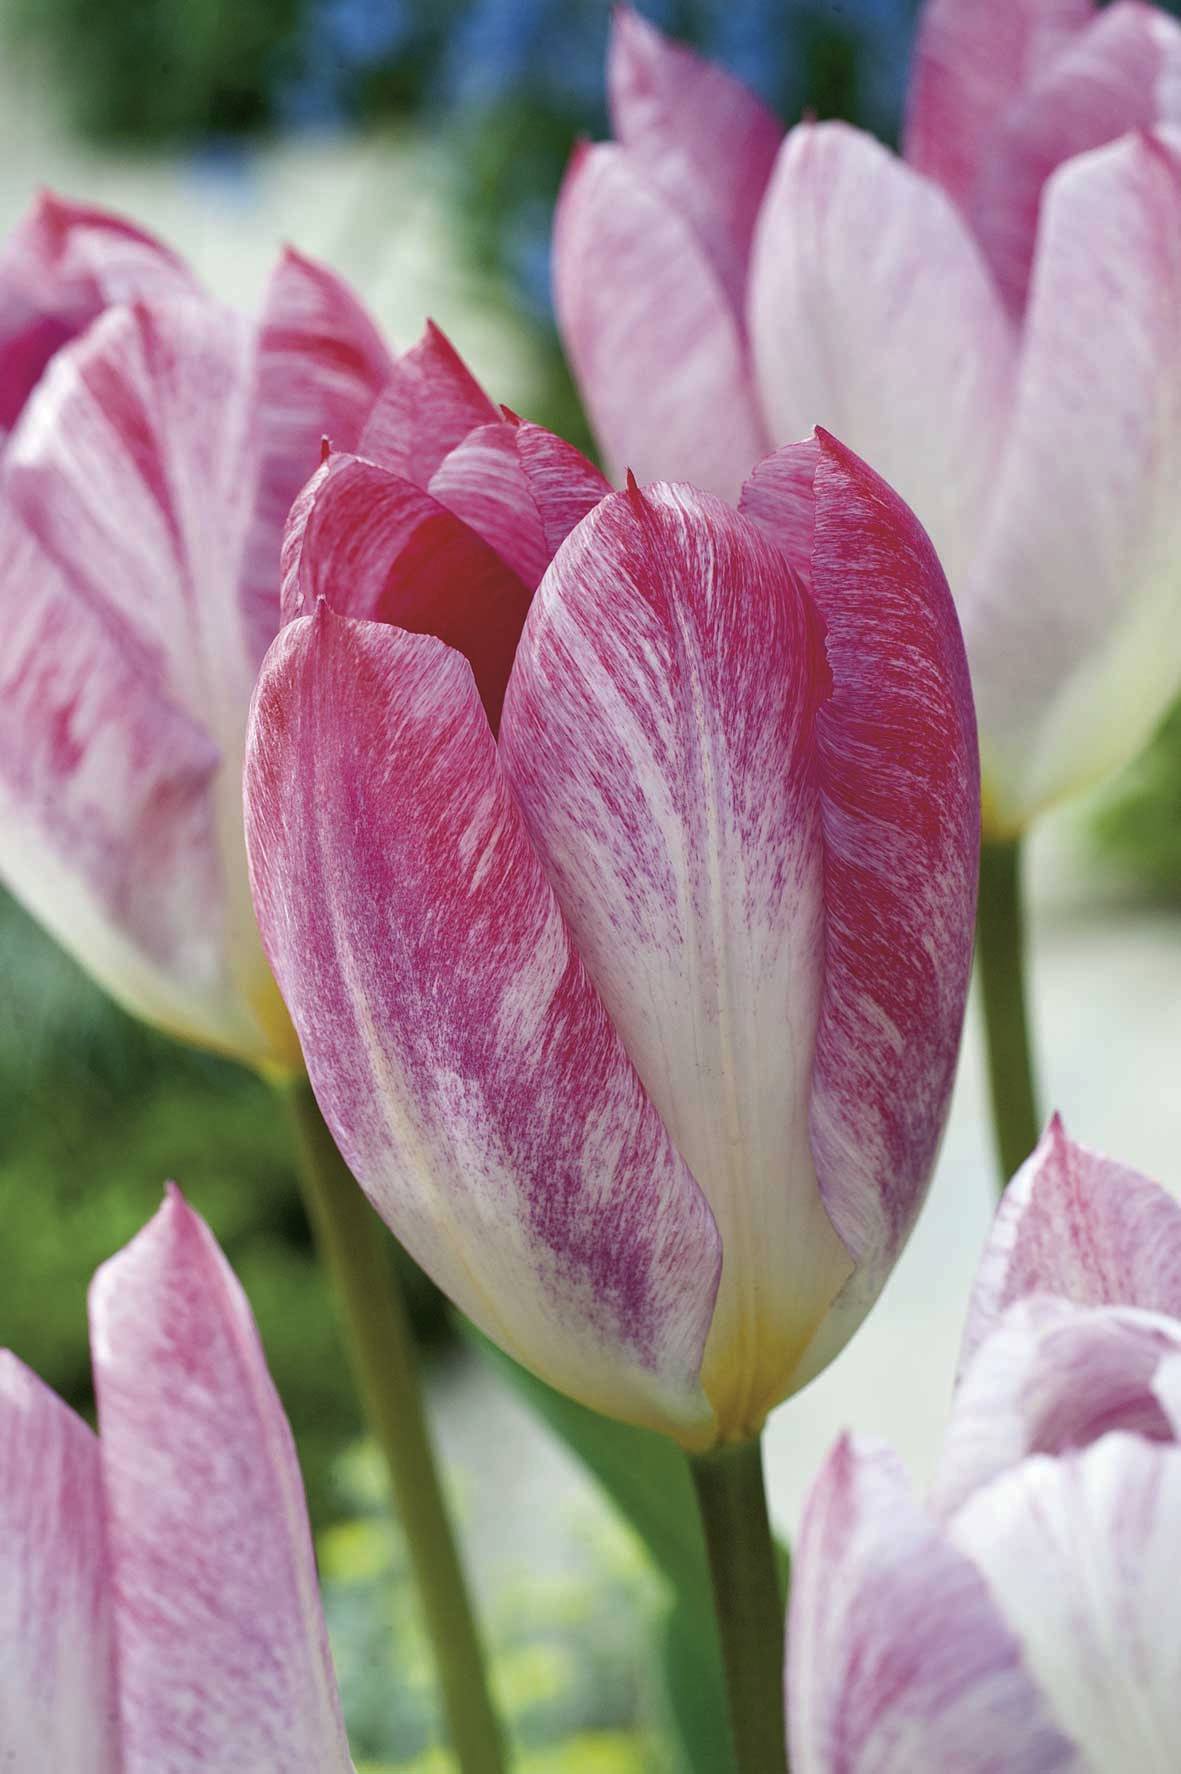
(993, 320)
(159, 1603)
(1026, 1618)
(628, 959)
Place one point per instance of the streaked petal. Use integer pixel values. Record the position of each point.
(705, 141)
(971, 64)
(873, 314)
(60, 267)
(521, 488)
(375, 546)
(1050, 1378)
(897, 1658)
(1123, 72)
(57, 1669)
(223, 1657)
(1080, 1555)
(658, 735)
(1073, 609)
(1078, 1225)
(898, 780)
(657, 349)
(428, 405)
(469, 1073)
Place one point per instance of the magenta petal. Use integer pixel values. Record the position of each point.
(1078, 1225)
(468, 1071)
(223, 1657)
(429, 404)
(58, 1708)
(377, 547)
(522, 489)
(659, 352)
(704, 140)
(898, 1660)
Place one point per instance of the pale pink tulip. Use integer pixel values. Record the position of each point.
(1026, 1619)
(159, 1610)
(631, 954)
(994, 321)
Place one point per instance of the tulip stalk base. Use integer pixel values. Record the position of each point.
(748, 1598)
(353, 1245)
(1000, 958)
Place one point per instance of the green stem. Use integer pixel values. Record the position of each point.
(353, 1247)
(1000, 957)
(748, 1600)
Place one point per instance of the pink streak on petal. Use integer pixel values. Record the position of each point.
(429, 404)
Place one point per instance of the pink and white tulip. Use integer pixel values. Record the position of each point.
(628, 956)
(993, 320)
(159, 1610)
(1026, 1618)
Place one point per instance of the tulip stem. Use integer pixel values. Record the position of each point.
(748, 1600)
(353, 1246)
(1000, 958)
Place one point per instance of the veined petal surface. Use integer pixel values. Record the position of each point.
(873, 314)
(58, 1705)
(223, 1658)
(468, 1071)
(429, 404)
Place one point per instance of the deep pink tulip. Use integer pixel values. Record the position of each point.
(663, 980)
(1026, 1619)
(994, 321)
(159, 1611)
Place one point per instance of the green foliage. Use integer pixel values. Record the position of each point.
(1139, 823)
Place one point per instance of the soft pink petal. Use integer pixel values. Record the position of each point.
(898, 780)
(58, 1707)
(1072, 611)
(375, 546)
(658, 735)
(898, 1661)
(873, 314)
(469, 1073)
(1122, 73)
(1080, 1556)
(59, 268)
(1052, 1377)
(429, 404)
(1078, 1225)
(223, 1657)
(972, 62)
(657, 349)
(705, 141)
(522, 489)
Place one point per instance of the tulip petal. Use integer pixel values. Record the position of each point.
(898, 782)
(377, 547)
(658, 735)
(705, 141)
(1073, 609)
(898, 1660)
(1077, 1225)
(469, 1073)
(58, 1706)
(656, 347)
(971, 64)
(522, 489)
(1080, 1554)
(873, 314)
(223, 1656)
(59, 268)
(1050, 1378)
(428, 405)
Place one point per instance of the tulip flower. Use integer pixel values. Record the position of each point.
(628, 959)
(1026, 1618)
(993, 320)
(159, 1602)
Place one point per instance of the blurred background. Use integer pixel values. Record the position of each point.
(417, 145)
